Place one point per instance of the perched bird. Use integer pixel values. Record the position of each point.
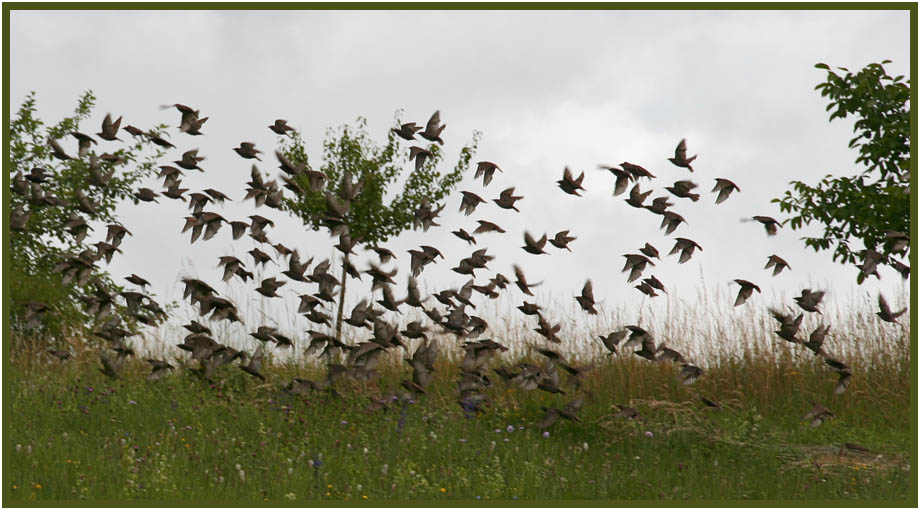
(725, 188)
(769, 224)
(747, 288)
(434, 128)
(570, 184)
(534, 246)
(280, 127)
(818, 414)
(407, 131)
(506, 199)
(486, 169)
(109, 128)
(680, 156)
(777, 263)
(686, 248)
(586, 299)
(682, 189)
(809, 300)
(885, 312)
(562, 239)
(469, 202)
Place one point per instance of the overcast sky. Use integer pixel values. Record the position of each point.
(546, 89)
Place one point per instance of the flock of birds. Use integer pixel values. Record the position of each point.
(361, 360)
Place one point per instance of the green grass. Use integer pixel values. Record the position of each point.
(73, 434)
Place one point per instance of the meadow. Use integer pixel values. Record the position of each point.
(73, 434)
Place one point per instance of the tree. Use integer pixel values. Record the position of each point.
(372, 216)
(45, 202)
(872, 206)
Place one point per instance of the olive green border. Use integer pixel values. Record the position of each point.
(901, 6)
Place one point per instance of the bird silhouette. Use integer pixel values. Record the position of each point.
(680, 156)
(777, 263)
(569, 184)
(682, 189)
(562, 239)
(725, 188)
(885, 312)
(769, 224)
(506, 199)
(469, 202)
(747, 288)
(433, 128)
(109, 128)
(809, 300)
(534, 246)
(280, 127)
(486, 169)
(407, 131)
(623, 177)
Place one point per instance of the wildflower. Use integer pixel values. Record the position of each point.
(290, 470)
(37, 486)
(344, 422)
(359, 487)
(462, 440)
(545, 434)
(443, 490)
(648, 433)
(510, 428)
(329, 486)
(585, 446)
(384, 468)
(131, 402)
(18, 447)
(506, 440)
(365, 450)
(242, 475)
(290, 496)
(498, 431)
(364, 497)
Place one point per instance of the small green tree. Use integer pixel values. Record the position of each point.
(877, 199)
(374, 216)
(43, 242)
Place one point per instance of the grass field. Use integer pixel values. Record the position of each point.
(74, 434)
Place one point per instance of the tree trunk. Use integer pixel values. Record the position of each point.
(338, 318)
